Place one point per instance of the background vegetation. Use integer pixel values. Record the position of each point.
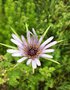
(38, 14)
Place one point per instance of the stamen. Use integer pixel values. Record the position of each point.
(32, 51)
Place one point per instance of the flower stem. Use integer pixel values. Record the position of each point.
(33, 70)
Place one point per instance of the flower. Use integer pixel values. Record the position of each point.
(32, 48)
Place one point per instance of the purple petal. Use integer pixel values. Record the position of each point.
(50, 44)
(29, 61)
(46, 56)
(34, 64)
(40, 40)
(24, 40)
(16, 38)
(17, 43)
(17, 54)
(48, 51)
(38, 62)
(47, 41)
(12, 51)
(28, 36)
(34, 32)
(22, 59)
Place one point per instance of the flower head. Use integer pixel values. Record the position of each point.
(32, 48)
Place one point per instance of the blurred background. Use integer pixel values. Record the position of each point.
(38, 14)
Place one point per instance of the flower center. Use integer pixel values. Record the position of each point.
(32, 52)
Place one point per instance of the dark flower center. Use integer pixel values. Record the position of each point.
(32, 52)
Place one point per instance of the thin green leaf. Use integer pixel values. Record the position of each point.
(60, 41)
(14, 31)
(53, 61)
(46, 31)
(26, 26)
(17, 64)
(44, 34)
(7, 46)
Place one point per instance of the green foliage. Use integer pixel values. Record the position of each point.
(64, 86)
(38, 14)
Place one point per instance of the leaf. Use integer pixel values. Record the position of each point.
(60, 41)
(26, 26)
(7, 46)
(46, 31)
(53, 61)
(14, 31)
(1, 81)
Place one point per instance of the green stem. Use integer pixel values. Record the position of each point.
(33, 70)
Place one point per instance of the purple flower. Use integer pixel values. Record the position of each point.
(32, 48)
